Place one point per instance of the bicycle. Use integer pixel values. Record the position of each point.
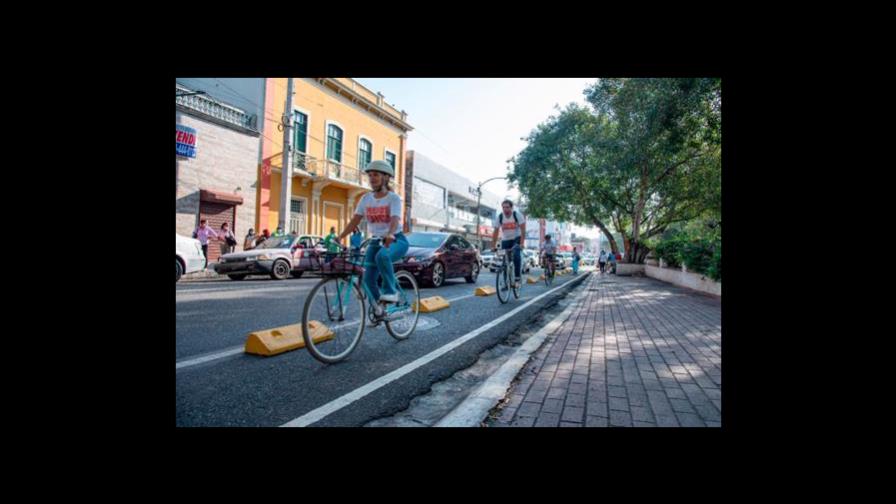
(503, 280)
(333, 320)
(549, 270)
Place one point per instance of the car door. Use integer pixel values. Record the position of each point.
(448, 256)
(468, 257)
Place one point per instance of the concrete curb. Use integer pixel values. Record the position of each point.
(476, 406)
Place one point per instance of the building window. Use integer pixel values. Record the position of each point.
(365, 153)
(300, 136)
(390, 158)
(334, 143)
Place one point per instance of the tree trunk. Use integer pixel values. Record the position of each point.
(609, 235)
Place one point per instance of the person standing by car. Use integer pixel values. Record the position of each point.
(228, 241)
(262, 237)
(355, 241)
(249, 242)
(203, 233)
(331, 244)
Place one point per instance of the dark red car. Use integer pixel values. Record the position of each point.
(434, 257)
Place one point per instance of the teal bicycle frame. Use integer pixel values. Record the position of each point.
(343, 291)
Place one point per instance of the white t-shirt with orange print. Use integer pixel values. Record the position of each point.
(379, 212)
(510, 229)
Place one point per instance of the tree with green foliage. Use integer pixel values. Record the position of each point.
(645, 157)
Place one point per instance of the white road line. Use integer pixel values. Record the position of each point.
(239, 349)
(343, 401)
(210, 357)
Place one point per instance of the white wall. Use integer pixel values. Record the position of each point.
(690, 280)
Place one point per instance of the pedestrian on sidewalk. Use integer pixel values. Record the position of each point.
(602, 260)
(611, 262)
(575, 260)
(203, 233)
(249, 242)
(228, 240)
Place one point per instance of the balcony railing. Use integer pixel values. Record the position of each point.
(213, 108)
(329, 169)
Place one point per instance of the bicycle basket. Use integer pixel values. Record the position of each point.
(340, 264)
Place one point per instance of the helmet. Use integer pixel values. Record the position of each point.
(380, 166)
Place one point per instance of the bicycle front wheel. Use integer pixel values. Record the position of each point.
(502, 285)
(333, 319)
(403, 319)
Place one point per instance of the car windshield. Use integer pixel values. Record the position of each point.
(427, 240)
(277, 242)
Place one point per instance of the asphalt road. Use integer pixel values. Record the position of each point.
(238, 389)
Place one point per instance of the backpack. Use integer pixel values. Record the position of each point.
(501, 218)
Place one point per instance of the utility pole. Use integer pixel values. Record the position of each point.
(478, 211)
(286, 172)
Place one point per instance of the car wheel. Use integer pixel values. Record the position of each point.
(297, 274)
(474, 275)
(179, 272)
(237, 276)
(438, 275)
(280, 270)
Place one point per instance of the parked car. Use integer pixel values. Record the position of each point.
(530, 260)
(279, 257)
(488, 258)
(187, 255)
(567, 259)
(435, 257)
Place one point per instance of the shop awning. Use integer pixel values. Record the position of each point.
(220, 197)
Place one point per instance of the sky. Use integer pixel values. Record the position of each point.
(473, 126)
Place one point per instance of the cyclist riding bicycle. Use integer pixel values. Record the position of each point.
(512, 226)
(548, 249)
(382, 209)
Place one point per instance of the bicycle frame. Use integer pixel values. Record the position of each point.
(343, 298)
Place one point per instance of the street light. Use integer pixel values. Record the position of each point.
(479, 210)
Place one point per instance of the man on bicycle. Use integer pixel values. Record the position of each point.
(382, 209)
(512, 226)
(548, 249)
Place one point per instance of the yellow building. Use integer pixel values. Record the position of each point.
(340, 126)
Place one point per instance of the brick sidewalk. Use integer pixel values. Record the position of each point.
(636, 353)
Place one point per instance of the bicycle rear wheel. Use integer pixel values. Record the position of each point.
(403, 320)
(333, 319)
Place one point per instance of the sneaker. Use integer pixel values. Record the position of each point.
(389, 298)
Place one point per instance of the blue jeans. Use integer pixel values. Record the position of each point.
(378, 261)
(517, 254)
